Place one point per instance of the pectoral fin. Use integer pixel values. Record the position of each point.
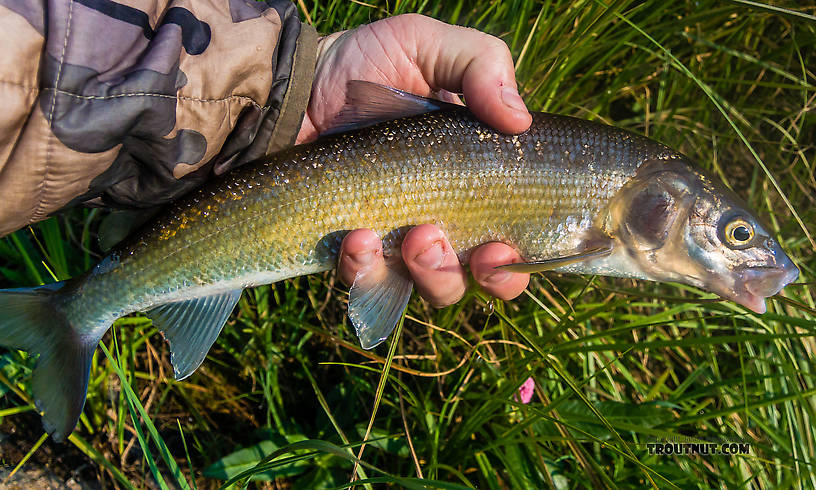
(376, 302)
(556, 262)
(191, 327)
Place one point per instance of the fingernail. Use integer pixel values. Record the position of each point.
(363, 259)
(497, 277)
(512, 99)
(431, 257)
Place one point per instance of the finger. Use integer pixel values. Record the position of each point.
(501, 284)
(465, 60)
(361, 249)
(433, 265)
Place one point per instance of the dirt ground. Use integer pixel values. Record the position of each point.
(30, 477)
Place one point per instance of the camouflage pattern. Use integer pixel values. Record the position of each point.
(133, 105)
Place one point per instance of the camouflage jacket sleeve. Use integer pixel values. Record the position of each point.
(133, 103)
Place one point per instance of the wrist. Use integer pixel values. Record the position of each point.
(295, 104)
(308, 130)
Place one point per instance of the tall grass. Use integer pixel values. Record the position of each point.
(287, 398)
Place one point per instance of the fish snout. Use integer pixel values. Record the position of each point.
(765, 281)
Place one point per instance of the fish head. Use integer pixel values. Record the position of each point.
(680, 225)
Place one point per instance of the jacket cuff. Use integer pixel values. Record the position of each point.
(296, 99)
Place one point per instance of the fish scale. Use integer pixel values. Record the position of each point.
(278, 218)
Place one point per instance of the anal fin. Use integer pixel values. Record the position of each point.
(377, 300)
(191, 327)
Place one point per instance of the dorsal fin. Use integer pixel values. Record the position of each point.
(191, 327)
(369, 103)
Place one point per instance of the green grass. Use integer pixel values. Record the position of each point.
(286, 396)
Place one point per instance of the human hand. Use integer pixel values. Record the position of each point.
(425, 57)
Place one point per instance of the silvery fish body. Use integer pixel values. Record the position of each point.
(570, 195)
(286, 216)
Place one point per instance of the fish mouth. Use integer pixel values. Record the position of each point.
(759, 283)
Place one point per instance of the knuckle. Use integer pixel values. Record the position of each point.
(406, 22)
(493, 43)
(413, 17)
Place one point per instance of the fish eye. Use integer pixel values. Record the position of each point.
(738, 232)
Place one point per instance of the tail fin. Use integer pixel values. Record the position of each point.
(31, 320)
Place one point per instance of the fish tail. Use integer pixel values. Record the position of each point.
(31, 320)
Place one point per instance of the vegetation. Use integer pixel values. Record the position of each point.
(286, 396)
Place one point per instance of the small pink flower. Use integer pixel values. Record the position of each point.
(525, 392)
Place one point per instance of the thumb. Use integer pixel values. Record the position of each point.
(479, 65)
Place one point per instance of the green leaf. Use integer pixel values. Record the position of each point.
(245, 459)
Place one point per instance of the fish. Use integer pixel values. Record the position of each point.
(570, 195)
